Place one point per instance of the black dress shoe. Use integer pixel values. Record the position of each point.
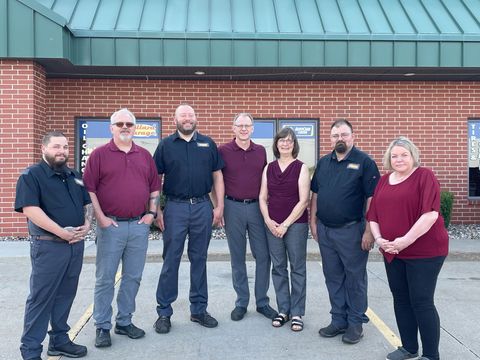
(238, 313)
(353, 334)
(331, 331)
(130, 330)
(204, 319)
(267, 311)
(102, 338)
(163, 325)
(69, 349)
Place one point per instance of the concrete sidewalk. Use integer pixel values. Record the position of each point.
(457, 298)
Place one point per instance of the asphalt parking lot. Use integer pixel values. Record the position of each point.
(457, 298)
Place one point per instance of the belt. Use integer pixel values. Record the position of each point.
(117, 218)
(47, 237)
(245, 201)
(338, 226)
(192, 200)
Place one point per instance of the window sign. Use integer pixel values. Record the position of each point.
(474, 158)
(92, 133)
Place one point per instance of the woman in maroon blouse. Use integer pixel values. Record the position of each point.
(284, 196)
(406, 224)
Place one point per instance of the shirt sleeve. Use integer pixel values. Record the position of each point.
(371, 175)
(314, 183)
(28, 192)
(217, 163)
(158, 158)
(91, 172)
(154, 181)
(430, 192)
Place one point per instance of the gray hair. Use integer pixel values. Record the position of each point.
(241, 115)
(408, 145)
(120, 112)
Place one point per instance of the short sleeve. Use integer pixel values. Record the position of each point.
(430, 192)
(371, 175)
(217, 163)
(314, 183)
(158, 158)
(27, 192)
(92, 172)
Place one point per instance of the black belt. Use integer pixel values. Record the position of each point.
(117, 218)
(338, 226)
(48, 237)
(192, 200)
(245, 201)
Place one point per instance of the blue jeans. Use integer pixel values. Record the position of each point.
(182, 219)
(127, 242)
(412, 283)
(56, 268)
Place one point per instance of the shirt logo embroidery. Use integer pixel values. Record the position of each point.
(353, 166)
(205, 145)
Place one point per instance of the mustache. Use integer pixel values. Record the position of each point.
(341, 147)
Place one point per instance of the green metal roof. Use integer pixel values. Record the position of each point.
(231, 34)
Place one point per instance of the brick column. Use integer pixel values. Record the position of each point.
(22, 123)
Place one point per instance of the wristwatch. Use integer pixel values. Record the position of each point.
(154, 213)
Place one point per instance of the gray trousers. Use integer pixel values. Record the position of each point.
(345, 270)
(241, 218)
(292, 248)
(127, 242)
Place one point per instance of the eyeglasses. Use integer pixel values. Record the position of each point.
(122, 124)
(342, 135)
(285, 141)
(243, 126)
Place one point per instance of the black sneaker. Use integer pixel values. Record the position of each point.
(102, 338)
(238, 313)
(331, 331)
(267, 311)
(353, 334)
(130, 330)
(401, 354)
(69, 349)
(204, 319)
(162, 325)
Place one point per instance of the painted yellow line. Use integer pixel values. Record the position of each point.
(84, 319)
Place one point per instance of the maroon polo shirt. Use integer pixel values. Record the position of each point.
(243, 169)
(122, 181)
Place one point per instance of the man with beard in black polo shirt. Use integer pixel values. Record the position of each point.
(342, 187)
(59, 215)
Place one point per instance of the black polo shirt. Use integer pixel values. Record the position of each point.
(187, 166)
(61, 196)
(344, 186)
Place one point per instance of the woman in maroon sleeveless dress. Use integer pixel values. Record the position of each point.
(284, 196)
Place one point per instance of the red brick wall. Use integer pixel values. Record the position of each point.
(22, 118)
(434, 115)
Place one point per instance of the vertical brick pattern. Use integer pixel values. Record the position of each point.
(433, 114)
(22, 113)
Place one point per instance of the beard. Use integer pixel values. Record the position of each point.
(341, 147)
(125, 137)
(185, 131)
(55, 164)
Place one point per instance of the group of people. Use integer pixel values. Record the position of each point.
(351, 209)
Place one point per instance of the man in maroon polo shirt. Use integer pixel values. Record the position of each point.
(244, 162)
(122, 180)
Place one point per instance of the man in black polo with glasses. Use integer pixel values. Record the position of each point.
(191, 166)
(123, 184)
(242, 174)
(342, 187)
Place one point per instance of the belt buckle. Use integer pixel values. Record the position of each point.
(192, 201)
(246, 201)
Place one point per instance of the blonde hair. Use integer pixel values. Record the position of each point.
(407, 144)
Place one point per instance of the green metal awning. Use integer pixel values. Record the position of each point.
(301, 39)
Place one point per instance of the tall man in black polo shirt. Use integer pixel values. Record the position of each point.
(59, 215)
(192, 166)
(342, 186)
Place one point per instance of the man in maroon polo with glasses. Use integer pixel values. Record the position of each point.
(244, 162)
(122, 180)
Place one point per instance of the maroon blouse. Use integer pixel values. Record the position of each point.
(283, 192)
(397, 207)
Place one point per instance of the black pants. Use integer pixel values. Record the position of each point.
(413, 282)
